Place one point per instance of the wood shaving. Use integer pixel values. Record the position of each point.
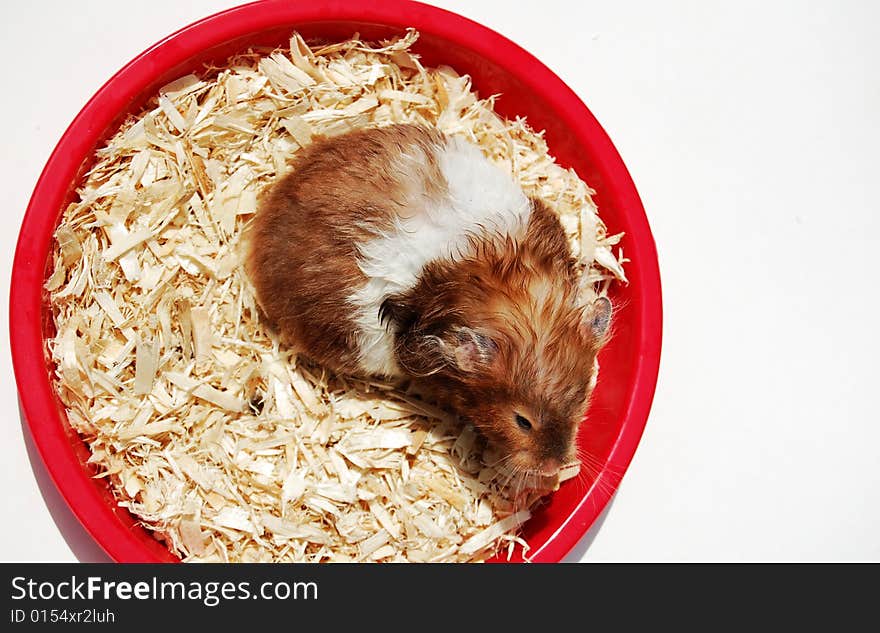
(226, 445)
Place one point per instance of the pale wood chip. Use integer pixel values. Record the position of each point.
(192, 537)
(205, 392)
(235, 518)
(129, 242)
(299, 129)
(569, 471)
(208, 430)
(146, 361)
(203, 338)
(71, 250)
(481, 539)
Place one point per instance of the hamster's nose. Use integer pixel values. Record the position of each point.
(549, 466)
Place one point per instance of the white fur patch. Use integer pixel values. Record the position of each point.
(482, 200)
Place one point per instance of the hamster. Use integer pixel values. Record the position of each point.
(401, 252)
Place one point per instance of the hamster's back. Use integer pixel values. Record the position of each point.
(355, 220)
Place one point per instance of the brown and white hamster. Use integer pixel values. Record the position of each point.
(402, 252)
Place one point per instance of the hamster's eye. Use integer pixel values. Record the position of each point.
(524, 424)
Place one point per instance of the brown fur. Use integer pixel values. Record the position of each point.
(523, 297)
(302, 242)
(499, 333)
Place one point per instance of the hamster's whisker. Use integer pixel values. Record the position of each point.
(511, 473)
(587, 457)
(520, 485)
(594, 472)
(498, 463)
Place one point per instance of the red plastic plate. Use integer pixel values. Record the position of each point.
(629, 362)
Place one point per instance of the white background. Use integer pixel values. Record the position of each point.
(751, 130)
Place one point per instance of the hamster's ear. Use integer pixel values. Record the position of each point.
(597, 318)
(471, 350)
(461, 348)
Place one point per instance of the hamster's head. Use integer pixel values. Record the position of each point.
(523, 382)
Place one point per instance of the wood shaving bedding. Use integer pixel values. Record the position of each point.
(226, 445)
